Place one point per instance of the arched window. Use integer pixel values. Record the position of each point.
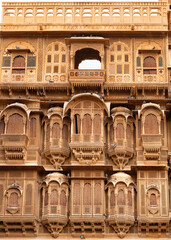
(130, 198)
(129, 133)
(121, 197)
(48, 133)
(76, 194)
(56, 58)
(77, 124)
(153, 200)
(97, 194)
(15, 124)
(149, 65)
(86, 57)
(112, 199)
(46, 198)
(87, 194)
(2, 126)
(33, 127)
(87, 124)
(111, 133)
(65, 132)
(56, 131)
(119, 59)
(13, 199)
(18, 65)
(63, 198)
(151, 125)
(97, 125)
(54, 197)
(119, 131)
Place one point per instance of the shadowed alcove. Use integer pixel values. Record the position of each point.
(87, 54)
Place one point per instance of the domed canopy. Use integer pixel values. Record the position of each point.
(17, 105)
(55, 111)
(121, 177)
(56, 177)
(87, 96)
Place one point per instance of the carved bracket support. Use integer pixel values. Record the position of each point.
(121, 229)
(54, 228)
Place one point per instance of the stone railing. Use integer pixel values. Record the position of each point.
(86, 75)
(100, 13)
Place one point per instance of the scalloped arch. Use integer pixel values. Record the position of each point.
(21, 45)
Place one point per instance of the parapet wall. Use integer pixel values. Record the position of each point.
(88, 13)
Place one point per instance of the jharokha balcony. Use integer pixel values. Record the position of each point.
(15, 146)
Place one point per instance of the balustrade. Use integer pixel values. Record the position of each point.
(87, 12)
(87, 75)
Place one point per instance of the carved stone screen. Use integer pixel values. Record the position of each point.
(15, 124)
(151, 125)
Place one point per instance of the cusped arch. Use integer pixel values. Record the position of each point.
(120, 178)
(20, 45)
(154, 109)
(86, 96)
(149, 45)
(119, 43)
(55, 177)
(22, 107)
(61, 44)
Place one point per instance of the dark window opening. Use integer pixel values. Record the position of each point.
(89, 58)
(149, 65)
(77, 124)
(18, 65)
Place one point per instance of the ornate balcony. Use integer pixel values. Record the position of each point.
(121, 147)
(55, 203)
(84, 77)
(152, 146)
(15, 146)
(57, 151)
